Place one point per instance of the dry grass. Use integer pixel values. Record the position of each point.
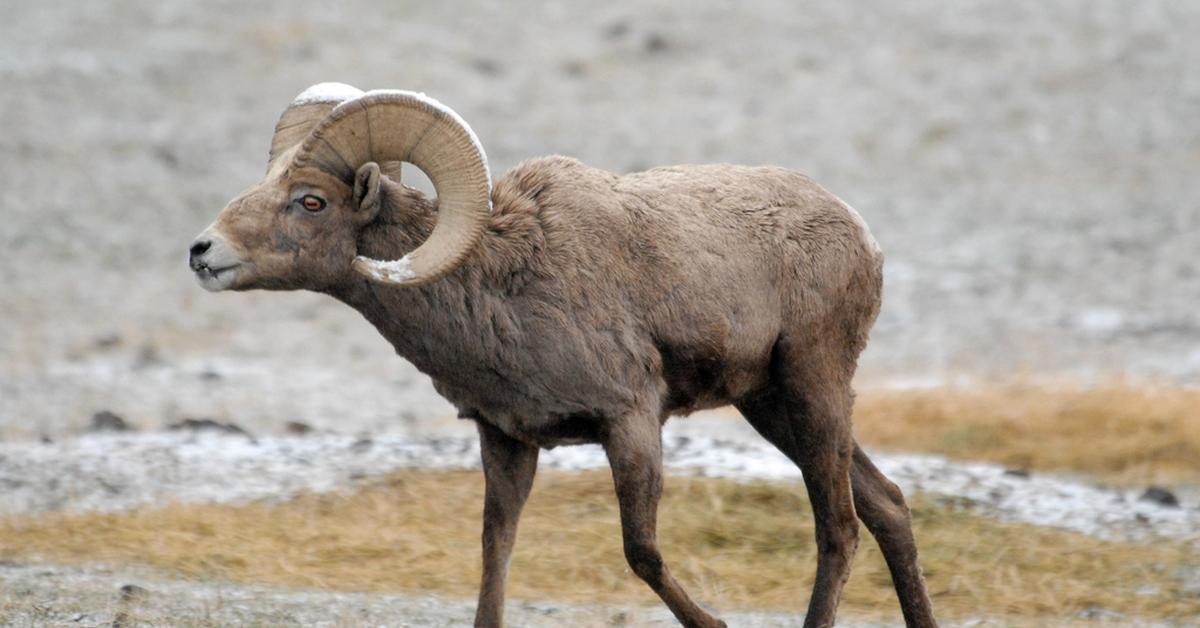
(1121, 432)
(734, 545)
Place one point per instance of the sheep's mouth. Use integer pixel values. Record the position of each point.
(215, 279)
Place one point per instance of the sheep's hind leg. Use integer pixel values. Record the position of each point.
(634, 448)
(508, 468)
(880, 505)
(877, 501)
(813, 430)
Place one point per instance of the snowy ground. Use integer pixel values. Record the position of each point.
(113, 472)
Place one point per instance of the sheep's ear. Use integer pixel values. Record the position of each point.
(366, 190)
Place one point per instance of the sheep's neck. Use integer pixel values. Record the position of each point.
(405, 219)
(424, 324)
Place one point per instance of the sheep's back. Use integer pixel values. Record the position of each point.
(700, 266)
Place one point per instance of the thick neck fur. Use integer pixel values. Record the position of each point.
(407, 316)
(454, 326)
(406, 217)
(475, 330)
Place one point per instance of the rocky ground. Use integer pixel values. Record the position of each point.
(34, 596)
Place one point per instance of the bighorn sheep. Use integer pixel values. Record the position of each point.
(566, 304)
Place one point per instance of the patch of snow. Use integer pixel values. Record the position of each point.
(988, 489)
(327, 92)
(1040, 499)
(1101, 320)
(121, 471)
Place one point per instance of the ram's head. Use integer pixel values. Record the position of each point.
(298, 228)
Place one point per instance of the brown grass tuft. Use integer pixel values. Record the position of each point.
(1121, 432)
(734, 545)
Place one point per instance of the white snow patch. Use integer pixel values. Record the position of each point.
(121, 471)
(381, 270)
(327, 92)
(1100, 320)
(117, 472)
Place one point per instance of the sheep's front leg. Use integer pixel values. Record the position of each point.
(634, 448)
(508, 469)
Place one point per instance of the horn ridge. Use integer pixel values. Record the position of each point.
(305, 111)
(392, 126)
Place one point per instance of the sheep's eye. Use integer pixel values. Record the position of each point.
(312, 203)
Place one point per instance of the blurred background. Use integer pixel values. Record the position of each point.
(1030, 170)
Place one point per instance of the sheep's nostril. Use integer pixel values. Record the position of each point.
(199, 247)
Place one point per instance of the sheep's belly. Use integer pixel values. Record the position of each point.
(550, 431)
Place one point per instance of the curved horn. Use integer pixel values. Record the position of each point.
(391, 125)
(306, 110)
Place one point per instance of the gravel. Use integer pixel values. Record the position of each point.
(48, 595)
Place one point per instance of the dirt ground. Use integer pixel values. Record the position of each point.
(34, 596)
(1029, 170)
